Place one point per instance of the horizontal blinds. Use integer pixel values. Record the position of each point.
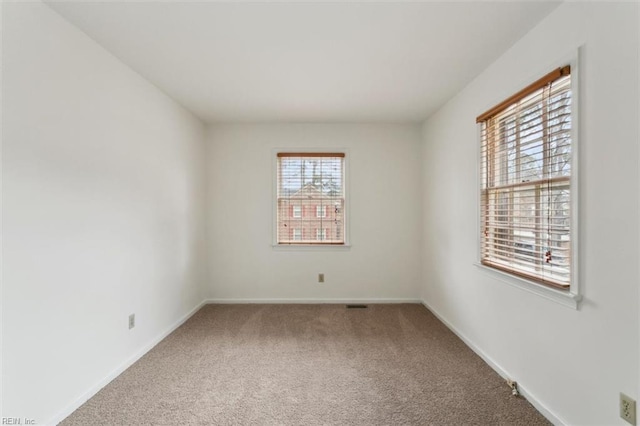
(525, 175)
(536, 85)
(311, 198)
(311, 154)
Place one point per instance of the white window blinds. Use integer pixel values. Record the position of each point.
(311, 198)
(526, 182)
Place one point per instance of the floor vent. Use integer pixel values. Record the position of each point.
(357, 306)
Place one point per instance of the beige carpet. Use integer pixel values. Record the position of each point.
(308, 365)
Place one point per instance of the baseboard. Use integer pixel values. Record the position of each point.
(120, 369)
(307, 301)
(548, 414)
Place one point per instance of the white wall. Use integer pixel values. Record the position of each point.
(385, 215)
(103, 186)
(575, 362)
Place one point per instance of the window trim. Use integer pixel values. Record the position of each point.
(293, 211)
(274, 199)
(572, 296)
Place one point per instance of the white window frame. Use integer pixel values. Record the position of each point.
(296, 211)
(321, 211)
(571, 297)
(299, 232)
(321, 234)
(274, 200)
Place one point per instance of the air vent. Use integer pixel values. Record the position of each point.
(357, 306)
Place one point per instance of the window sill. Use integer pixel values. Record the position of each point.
(311, 247)
(565, 298)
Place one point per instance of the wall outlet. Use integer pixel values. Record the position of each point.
(627, 409)
(132, 321)
(320, 278)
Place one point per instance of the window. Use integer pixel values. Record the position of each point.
(526, 151)
(296, 211)
(310, 181)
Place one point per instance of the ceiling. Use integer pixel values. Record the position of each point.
(318, 61)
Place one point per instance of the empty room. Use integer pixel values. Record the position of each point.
(320, 212)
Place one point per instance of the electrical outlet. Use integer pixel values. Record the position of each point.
(627, 409)
(132, 321)
(320, 278)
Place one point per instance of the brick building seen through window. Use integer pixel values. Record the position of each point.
(310, 199)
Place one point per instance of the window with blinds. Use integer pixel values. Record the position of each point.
(526, 182)
(310, 198)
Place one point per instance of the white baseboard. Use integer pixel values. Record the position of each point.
(553, 418)
(307, 301)
(120, 369)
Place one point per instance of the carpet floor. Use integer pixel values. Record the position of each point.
(308, 365)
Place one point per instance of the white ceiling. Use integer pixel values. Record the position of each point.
(307, 61)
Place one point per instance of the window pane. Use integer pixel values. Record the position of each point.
(525, 175)
(311, 199)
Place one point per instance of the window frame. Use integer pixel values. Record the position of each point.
(572, 296)
(274, 199)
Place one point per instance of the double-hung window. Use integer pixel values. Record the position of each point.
(296, 211)
(310, 182)
(525, 212)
